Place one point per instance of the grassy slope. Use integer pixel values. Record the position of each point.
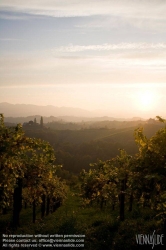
(101, 227)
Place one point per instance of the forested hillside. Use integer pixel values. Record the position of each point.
(76, 149)
(116, 196)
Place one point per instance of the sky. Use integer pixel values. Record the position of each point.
(105, 56)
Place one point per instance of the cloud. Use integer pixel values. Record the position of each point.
(65, 8)
(13, 17)
(71, 57)
(107, 47)
(140, 14)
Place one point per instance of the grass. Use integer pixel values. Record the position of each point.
(101, 228)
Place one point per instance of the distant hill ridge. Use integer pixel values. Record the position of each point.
(23, 110)
(20, 113)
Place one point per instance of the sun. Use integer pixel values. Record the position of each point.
(145, 99)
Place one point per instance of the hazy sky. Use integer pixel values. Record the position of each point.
(94, 54)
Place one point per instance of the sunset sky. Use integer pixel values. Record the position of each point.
(103, 55)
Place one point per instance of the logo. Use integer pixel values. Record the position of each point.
(147, 239)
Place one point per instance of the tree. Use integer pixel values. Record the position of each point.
(142, 177)
(151, 168)
(26, 164)
(41, 121)
(11, 147)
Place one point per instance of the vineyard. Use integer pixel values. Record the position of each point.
(110, 203)
(27, 174)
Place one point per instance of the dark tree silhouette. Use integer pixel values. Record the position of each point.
(41, 121)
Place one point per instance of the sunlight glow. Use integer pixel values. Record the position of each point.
(146, 99)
